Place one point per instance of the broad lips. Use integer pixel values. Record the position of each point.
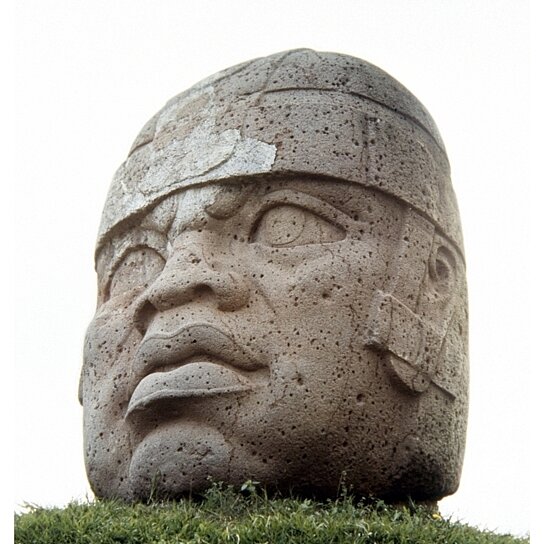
(195, 360)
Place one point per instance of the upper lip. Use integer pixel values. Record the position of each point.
(161, 351)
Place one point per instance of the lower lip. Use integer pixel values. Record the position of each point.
(200, 379)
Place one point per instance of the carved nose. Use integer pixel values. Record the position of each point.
(187, 277)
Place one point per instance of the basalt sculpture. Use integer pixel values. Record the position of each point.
(281, 292)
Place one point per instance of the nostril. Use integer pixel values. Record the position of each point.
(202, 291)
(143, 316)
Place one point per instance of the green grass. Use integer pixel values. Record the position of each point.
(225, 515)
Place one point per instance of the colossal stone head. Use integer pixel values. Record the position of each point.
(281, 292)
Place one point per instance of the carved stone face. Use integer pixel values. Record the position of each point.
(229, 342)
(281, 293)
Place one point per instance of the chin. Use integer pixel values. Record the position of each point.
(178, 459)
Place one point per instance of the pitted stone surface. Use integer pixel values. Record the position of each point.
(281, 292)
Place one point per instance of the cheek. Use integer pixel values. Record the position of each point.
(340, 276)
(322, 308)
(310, 306)
(110, 344)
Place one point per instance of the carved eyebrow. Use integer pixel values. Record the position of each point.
(228, 200)
(306, 201)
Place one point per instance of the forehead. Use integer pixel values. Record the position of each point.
(222, 201)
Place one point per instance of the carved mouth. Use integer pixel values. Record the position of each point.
(192, 363)
(200, 379)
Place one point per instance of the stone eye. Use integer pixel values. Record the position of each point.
(137, 269)
(289, 226)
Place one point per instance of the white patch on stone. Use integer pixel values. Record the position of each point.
(187, 150)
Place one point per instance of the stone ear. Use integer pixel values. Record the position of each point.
(441, 284)
(442, 268)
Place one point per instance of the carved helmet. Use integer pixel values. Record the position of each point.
(302, 112)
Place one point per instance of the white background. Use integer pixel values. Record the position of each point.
(87, 77)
